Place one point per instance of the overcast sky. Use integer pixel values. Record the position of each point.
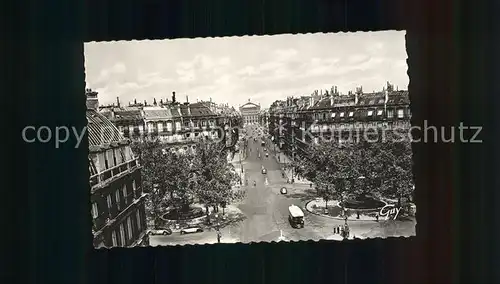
(235, 69)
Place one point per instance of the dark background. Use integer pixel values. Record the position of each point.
(46, 201)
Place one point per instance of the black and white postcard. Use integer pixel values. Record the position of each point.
(249, 139)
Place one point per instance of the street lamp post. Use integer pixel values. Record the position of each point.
(217, 228)
(346, 230)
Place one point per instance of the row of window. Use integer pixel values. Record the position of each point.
(110, 158)
(251, 119)
(124, 238)
(370, 124)
(369, 113)
(109, 199)
(187, 124)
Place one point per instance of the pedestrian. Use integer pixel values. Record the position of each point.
(310, 185)
(376, 216)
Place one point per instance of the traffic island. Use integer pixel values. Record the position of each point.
(198, 217)
(176, 220)
(319, 207)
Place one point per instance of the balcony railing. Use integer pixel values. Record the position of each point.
(113, 172)
(184, 139)
(109, 217)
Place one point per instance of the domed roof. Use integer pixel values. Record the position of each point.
(102, 132)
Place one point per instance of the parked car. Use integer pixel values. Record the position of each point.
(283, 190)
(264, 171)
(191, 230)
(267, 154)
(164, 231)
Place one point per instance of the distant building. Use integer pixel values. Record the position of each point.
(264, 118)
(118, 210)
(250, 113)
(92, 99)
(180, 125)
(296, 123)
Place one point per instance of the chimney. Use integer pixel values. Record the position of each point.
(154, 102)
(145, 103)
(173, 97)
(390, 88)
(118, 102)
(135, 101)
(336, 93)
(356, 98)
(161, 102)
(359, 89)
(92, 99)
(187, 99)
(332, 100)
(210, 99)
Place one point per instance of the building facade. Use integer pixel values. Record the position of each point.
(117, 198)
(182, 125)
(179, 126)
(297, 123)
(250, 113)
(264, 118)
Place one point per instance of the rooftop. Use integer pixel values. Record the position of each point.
(249, 105)
(102, 132)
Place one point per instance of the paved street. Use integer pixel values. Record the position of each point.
(265, 210)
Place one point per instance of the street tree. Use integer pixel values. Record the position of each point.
(330, 166)
(180, 173)
(339, 169)
(398, 175)
(369, 167)
(153, 180)
(324, 188)
(166, 176)
(215, 177)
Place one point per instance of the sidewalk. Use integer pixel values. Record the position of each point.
(283, 160)
(236, 158)
(237, 165)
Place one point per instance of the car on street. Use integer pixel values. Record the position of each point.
(191, 230)
(164, 232)
(283, 190)
(264, 171)
(267, 154)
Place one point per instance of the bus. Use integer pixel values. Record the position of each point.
(296, 216)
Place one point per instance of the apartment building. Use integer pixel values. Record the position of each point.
(299, 122)
(116, 195)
